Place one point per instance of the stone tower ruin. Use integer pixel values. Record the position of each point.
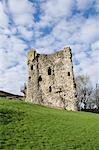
(51, 80)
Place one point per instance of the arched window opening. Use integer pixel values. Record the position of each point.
(40, 78)
(49, 71)
(50, 88)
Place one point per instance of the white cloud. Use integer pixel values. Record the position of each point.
(54, 10)
(89, 31)
(95, 46)
(97, 6)
(13, 79)
(21, 12)
(58, 8)
(12, 53)
(3, 40)
(23, 19)
(3, 17)
(84, 4)
(12, 65)
(20, 7)
(25, 32)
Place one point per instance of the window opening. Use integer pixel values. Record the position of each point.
(32, 67)
(74, 85)
(40, 78)
(50, 88)
(29, 77)
(49, 71)
(68, 73)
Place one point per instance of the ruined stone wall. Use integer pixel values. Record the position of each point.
(51, 80)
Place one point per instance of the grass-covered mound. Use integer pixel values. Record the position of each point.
(26, 126)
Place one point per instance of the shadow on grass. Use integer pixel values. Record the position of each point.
(9, 116)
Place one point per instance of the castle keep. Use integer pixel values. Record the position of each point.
(51, 80)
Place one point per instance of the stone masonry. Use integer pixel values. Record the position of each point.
(51, 80)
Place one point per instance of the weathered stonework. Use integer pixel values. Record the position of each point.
(51, 80)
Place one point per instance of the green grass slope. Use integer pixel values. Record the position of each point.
(26, 126)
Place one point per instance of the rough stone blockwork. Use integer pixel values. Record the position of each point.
(51, 80)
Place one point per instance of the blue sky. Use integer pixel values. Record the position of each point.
(48, 26)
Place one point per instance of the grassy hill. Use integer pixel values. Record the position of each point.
(25, 126)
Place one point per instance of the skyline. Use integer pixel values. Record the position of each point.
(47, 26)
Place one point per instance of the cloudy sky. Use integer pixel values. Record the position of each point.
(48, 26)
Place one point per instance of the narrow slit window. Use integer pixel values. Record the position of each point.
(68, 73)
(50, 88)
(32, 67)
(49, 71)
(74, 85)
